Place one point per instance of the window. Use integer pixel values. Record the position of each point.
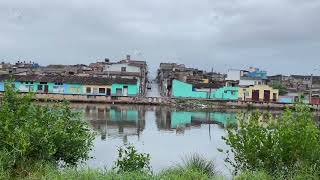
(39, 87)
(43, 83)
(88, 90)
(123, 69)
(58, 84)
(102, 90)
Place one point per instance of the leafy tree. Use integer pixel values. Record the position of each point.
(32, 133)
(130, 160)
(282, 89)
(280, 144)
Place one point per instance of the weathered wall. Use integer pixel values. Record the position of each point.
(233, 75)
(94, 89)
(226, 93)
(117, 67)
(73, 89)
(181, 89)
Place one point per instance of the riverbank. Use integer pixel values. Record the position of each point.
(178, 103)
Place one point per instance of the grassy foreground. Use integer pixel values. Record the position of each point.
(49, 172)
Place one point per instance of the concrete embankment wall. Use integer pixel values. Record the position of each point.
(100, 99)
(179, 102)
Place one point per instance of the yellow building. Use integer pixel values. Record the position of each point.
(258, 93)
(205, 80)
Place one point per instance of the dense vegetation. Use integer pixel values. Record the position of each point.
(284, 146)
(33, 134)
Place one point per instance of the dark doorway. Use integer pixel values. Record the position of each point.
(266, 95)
(108, 91)
(275, 97)
(255, 95)
(46, 88)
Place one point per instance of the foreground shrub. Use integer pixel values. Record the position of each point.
(281, 144)
(31, 133)
(194, 166)
(130, 160)
(198, 163)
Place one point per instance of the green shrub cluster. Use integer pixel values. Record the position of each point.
(130, 160)
(277, 145)
(32, 133)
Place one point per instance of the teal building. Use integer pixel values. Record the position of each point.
(185, 90)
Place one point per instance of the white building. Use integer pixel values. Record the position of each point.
(240, 75)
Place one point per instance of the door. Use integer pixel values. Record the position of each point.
(118, 92)
(108, 91)
(255, 95)
(46, 88)
(125, 90)
(266, 96)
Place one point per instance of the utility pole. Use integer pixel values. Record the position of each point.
(210, 81)
(310, 91)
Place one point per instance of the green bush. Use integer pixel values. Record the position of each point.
(130, 160)
(31, 133)
(282, 144)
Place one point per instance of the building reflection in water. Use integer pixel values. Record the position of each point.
(115, 121)
(182, 120)
(121, 121)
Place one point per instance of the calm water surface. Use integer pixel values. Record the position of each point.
(166, 134)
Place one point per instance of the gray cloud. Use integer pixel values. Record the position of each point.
(277, 35)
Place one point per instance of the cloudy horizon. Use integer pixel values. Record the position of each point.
(280, 36)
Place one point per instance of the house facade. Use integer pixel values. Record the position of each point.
(186, 90)
(262, 93)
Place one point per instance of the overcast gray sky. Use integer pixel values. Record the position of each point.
(276, 35)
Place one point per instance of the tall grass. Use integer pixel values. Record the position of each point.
(198, 163)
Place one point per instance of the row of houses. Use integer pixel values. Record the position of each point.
(250, 84)
(72, 85)
(126, 69)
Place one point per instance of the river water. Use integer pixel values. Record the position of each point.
(166, 134)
